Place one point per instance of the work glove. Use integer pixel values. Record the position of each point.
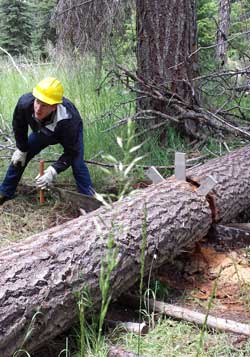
(19, 157)
(45, 180)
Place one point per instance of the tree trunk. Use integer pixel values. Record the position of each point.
(40, 275)
(223, 30)
(166, 44)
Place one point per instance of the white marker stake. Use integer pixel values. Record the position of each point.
(180, 166)
(206, 186)
(154, 175)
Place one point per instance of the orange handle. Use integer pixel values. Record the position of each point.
(41, 172)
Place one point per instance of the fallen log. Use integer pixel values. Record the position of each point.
(231, 236)
(40, 275)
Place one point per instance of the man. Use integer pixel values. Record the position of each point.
(53, 119)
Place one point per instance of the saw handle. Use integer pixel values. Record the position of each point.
(41, 192)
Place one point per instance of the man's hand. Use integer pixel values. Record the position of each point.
(19, 157)
(46, 179)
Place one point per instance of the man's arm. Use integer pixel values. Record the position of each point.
(20, 128)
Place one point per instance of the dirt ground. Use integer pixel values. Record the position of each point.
(212, 270)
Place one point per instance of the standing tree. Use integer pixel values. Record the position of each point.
(223, 31)
(166, 82)
(166, 35)
(166, 57)
(15, 26)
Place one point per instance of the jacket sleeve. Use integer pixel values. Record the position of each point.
(20, 128)
(68, 138)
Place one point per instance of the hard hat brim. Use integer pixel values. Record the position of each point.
(43, 98)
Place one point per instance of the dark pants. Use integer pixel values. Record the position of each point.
(38, 142)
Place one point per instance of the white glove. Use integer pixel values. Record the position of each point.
(46, 179)
(18, 156)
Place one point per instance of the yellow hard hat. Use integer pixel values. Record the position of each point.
(49, 91)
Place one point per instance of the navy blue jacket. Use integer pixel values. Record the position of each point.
(65, 124)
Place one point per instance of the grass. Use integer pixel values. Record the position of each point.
(172, 338)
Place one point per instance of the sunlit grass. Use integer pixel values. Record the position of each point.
(177, 339)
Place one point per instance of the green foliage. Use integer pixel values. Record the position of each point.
(123, 167)
(42, 31)
(15, 26)
(90, 339)
(206, 15)
(240, 22)
(107, 266)
(25, 26)
(125, 40)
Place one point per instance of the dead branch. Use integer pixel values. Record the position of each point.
(196, 317)
(88, 25)
(181, 111)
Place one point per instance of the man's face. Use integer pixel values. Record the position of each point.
(42, 110)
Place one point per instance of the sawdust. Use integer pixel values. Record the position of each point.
(209, 273)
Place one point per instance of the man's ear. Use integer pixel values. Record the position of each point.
(54, 107)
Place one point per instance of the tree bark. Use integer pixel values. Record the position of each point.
(40, 275)
(166, 37)
(223, 30)
(166, 57)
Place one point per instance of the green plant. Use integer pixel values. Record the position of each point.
(83, 304)
(28, 335)
(107, 266)
(21, 351)
(15, 26)
(90, 339)
(209, 306)
(65, 351)
(123, 167)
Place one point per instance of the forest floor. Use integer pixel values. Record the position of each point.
(211, 269)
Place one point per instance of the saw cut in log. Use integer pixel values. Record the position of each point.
(40, 275)
(232, 179)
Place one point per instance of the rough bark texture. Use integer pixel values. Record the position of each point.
(166, 57)
(232, 236)
(232, 180)
(42, 273)
(166, 35)
(223, 30)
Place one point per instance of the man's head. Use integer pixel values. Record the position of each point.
(48, 93)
